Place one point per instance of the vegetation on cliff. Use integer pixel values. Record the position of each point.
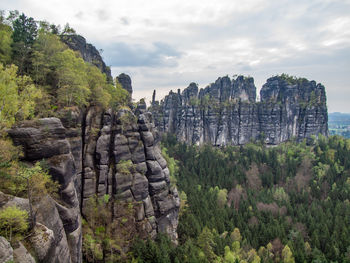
(253, 203)
(40, 74)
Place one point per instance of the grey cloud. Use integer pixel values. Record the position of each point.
(124, 21)
(79, 15)
(160, 54)
(102, 15)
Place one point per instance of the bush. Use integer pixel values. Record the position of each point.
(13, 222)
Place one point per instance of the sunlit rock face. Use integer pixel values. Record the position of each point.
(226, 112)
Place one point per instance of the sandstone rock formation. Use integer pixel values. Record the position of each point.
(226, 112)
(125, 81)
(87, 51)
(46, 139)
(94, 153)
(6, 251)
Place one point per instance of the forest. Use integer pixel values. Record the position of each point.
(255, 203)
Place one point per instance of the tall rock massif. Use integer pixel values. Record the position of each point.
(94, 153)
(88, 52)
(226, 112)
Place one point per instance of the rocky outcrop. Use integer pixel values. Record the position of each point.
(88, 52)
(96, 153)
(6, 251)
(46, 139)
(226, 112)
(125, 81)
(21, 254)
(122, 158)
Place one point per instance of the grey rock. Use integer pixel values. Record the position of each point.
(125, 196)
(157, 187)
(226, 112)
(21, 254)
(140, 211)
(141, 167)
(9, 200)
(42, 241)
(88, 52)
(140, 187)
(6, 251)
(48, 216)
(153, 167)
(102, 149)
(125, 81)
(149, 211)
(147, 138)
(62, 169)
(84, 158)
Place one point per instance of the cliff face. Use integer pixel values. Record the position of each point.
(226, 112)
(85, 153)
(88, 52)
(125, 81)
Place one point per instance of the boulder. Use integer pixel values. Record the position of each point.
(6, 251)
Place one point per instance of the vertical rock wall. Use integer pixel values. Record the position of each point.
(96, 153)
(226, 112)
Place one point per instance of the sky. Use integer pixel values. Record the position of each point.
(166, 45)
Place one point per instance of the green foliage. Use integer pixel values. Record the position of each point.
(287, 255)
(106, 237)
(17, 96)
(72, 82)
(222, 197)
(280, 195)
(126, 167)
(18, 179)
(292, 79)
(24, 35)
(46, 48)
(172, 165)
(99, 87)
(5, 43)
(119, 96)
(13, 222)
(61, 75)
(299, 213)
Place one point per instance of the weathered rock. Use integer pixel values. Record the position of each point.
(6, 251)
(42, 240)
(125, 81)
(140, 187)
(9, 200)
(87, 51)
(40, 139)
(46, 138)
(21, 254)
(48, 216)
(226, 112)
(114, 153)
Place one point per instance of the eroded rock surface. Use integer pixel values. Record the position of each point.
(88, 52)
(96, 153)
(226, 112)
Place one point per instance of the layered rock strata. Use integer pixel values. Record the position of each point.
(227, 113)
(97, 153)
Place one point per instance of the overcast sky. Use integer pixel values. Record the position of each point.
(165, 44)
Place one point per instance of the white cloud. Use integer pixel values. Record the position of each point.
(202, 40)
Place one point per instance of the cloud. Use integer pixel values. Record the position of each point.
(168, 44)
(158, 54)
(79, 15)
(102, 15)
(124, 21)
